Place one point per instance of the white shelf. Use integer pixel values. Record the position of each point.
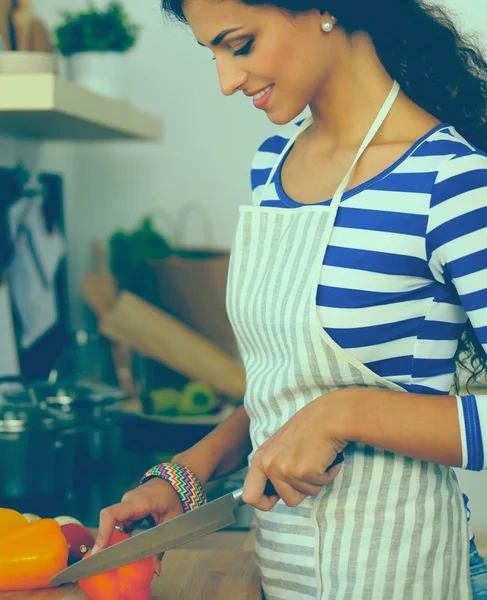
(50, 107)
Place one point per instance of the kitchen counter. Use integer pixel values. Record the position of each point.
(219, 566)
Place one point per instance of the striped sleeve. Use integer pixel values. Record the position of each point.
(265, 158)
(262, 164)
(456, 243)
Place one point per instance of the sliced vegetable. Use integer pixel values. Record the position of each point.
(10, 520)
(30, 517)
(79, 540)
(32, 555)
(65, 520)
(131, 582)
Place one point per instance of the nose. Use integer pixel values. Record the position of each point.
(232, 77)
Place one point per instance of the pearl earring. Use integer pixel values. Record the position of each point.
(327, 26)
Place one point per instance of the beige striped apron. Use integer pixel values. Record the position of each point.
(388, 527)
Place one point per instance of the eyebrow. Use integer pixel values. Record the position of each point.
(221, 36)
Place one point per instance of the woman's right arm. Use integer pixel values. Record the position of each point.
(222, 451)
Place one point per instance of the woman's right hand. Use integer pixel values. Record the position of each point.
(156, 498)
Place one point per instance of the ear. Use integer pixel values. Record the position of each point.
(328, 15)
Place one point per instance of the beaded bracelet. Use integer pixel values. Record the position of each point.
(184, 482)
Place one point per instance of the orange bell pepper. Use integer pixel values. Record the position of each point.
(11, 520)
(32, 555)
(130, 582)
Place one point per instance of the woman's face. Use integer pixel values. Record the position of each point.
(286, 56)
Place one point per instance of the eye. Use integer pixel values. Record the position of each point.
(242, 51)
(245, 49)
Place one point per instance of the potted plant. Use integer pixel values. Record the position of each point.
(94, 41)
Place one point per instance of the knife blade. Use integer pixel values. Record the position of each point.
(185, 528)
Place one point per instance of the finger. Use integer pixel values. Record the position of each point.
(157, 563)
(289, 495)
(254, 484)
(331, 474)
(309, 489)
(118, 514)
(266, 503)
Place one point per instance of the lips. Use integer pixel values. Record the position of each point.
(254, 92)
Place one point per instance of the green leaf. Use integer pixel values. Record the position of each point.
(92, 30)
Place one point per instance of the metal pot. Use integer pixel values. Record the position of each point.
(102, 443)
(99, 416)
(37, 452)
(95, 413)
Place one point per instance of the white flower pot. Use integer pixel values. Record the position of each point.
(101, 72)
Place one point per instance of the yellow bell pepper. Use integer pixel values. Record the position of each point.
(32, 555)
(11, 520)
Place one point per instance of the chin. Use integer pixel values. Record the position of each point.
(282, 115)
(283, 118)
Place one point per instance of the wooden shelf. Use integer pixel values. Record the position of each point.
(50, 107)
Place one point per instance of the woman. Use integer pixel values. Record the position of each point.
(353, 277)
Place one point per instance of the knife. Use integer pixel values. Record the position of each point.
(185, 528)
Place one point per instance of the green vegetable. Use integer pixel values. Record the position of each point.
(198, 398)
(129, 252)
(94, 30)
(162, 402)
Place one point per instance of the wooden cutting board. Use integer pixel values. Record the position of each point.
(194, 574)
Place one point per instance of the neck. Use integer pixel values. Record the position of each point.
(351, 97)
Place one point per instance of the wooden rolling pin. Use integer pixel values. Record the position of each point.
(154, 333)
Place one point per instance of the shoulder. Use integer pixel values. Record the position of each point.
(462, 174)
(267, 154)
(458, 208)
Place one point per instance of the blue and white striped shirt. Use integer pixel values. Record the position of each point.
(406, 267)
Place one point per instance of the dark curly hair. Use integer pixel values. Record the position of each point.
(438, 68)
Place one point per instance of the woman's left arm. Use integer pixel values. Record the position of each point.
(447, 430)
(416, 425)
(456, 247)
(297, 456)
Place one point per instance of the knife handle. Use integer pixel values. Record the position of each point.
(270, 490)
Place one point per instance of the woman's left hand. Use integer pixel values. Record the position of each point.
(296, 458)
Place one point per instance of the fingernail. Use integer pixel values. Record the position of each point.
(95, 549)
(157, 569)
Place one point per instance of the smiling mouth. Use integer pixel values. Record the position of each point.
(260, 93)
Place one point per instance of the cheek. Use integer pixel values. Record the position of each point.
(287, 63)
(275, 60)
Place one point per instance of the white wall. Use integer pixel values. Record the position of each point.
(205, 155)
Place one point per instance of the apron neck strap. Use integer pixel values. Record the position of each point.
(377, 124)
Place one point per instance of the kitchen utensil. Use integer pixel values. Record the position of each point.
(5, 7)
(99, 417)
(100, 290)
(190, 526)
(221, 568)
(171, 534)
(39, 37)
(36, 446)
(22, 18)
(99, 285)
(153, 332)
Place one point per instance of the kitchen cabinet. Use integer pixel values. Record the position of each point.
(49, 107)
(218, 567)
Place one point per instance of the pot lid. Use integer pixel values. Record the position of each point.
(14, 420)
